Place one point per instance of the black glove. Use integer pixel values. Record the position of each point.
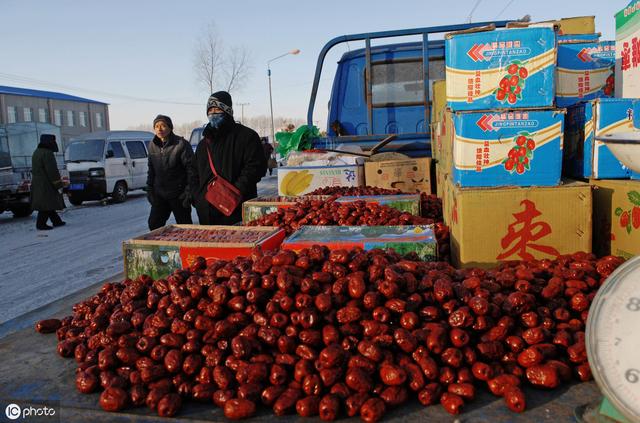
(186, 200)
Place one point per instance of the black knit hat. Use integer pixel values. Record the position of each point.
(221, 100)
(48, 141)
(165, 119)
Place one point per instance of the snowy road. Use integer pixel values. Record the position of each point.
(37, 267)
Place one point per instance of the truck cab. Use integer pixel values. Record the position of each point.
(385, 90)
(107, 164)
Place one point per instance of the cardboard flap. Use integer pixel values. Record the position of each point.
(490, 27)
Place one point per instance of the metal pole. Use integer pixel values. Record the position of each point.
(273, 130)
(242, 110)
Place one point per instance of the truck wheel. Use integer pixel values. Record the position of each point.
(21, 210)
(119, 192)
(76, 200)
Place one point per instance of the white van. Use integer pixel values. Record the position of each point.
(106, 164)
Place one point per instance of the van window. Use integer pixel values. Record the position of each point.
(136, 149)
(5, 157)
(118, 151)
(397, 83)
(85, 150)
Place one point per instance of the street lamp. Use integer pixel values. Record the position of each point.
(273, 130)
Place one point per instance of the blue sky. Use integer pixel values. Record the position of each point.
(145, 49)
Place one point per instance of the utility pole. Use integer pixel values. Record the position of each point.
(242, 111)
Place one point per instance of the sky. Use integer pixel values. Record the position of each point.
(138, 56)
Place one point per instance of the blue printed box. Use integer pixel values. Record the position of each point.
(585, 71)
(584, 157)
(500, 69)
(514, 148)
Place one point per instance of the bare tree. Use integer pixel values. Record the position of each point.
(218, 66)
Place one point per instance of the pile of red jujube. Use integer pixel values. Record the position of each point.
(354, 191)
(330, 213)
(334, 334)
(206, 235)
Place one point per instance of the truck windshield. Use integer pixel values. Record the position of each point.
(85, 151)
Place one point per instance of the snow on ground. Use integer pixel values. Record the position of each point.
(38, 267)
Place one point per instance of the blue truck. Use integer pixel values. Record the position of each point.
(385, 90)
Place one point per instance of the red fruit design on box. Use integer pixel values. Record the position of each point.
(609, 85)
(630, 219)
(519, 157)
(512, 83)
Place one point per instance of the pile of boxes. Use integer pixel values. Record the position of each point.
(523, 109)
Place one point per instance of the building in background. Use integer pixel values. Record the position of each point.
(74, 115)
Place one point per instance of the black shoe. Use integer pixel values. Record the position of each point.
(61, 223)
(44, 228)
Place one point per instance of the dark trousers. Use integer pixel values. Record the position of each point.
(44, 216)
(162, 208)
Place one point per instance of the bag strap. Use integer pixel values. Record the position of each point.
(213, 169)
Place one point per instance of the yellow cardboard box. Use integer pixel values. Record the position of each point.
(575, 25)
(489, 225)
(616, 217)
(439, 100)
(408, 175)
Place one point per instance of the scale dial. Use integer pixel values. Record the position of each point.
(613, 339)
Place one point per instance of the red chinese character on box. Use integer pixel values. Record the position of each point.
(525, 115)
(626, 57)
(635, 52)
(503, 116)
(518, 115)
(477, 92)
(523, 233)
(516, 44)
(494, 44)
(486, 144)
(478, 74)
(501, 44)
(485, 156)
(509, 44)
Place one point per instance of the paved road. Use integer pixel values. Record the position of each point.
(38, 267)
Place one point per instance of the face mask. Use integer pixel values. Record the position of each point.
(216, 120)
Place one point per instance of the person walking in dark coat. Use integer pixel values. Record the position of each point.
(237, 155)
(268, 151)
(170, 175)
(46, 197)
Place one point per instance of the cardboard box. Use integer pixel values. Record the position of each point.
(294, 181)
(627, 63)
(616, 218)
(584, 157)
(440, 178)
(403, 239)
(407, 175)
(585, 71)
(409, 203)
(492, 225)
(514, 148)
(500, 69)
(575, 25)
(259, 206)
(439, 100)
(159, 258)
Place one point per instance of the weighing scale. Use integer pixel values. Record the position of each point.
(613, 347)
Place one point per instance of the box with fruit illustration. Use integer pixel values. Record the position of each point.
(585, 71)
(510, 148)
(616, 217)
(627, 65)
(160, 252)
(403, 239)
(500, 69)
(409, 203)
(299, 180)
(584, 156)
(489, 225)
(259, 206)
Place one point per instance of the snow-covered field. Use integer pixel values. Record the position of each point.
(37, 267)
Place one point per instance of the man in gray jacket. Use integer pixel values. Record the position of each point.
(170, 175)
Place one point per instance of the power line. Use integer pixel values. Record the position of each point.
(473, 10)
(504, 8)
(28, 80)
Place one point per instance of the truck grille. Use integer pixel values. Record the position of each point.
(79, 176)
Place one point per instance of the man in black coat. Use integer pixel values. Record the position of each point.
(170, 175)
(46, 183)
(237, 155)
